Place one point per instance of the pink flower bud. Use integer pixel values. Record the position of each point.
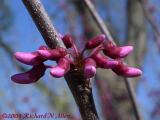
(127, 71)
(104, 62)
(43, 47)
(117, 52)
(90, 68)
(61, 69)
(53, 54)
(29, 58)
(94, 42)
(30, 76)
(125, 50)
(68, 40)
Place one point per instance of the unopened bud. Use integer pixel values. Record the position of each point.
(29, 58)
(104, 62)
(126, 71)
(43, 47)
(114, 52)
(90, 68)
(68, 40)
(53, 54)
(94, 42)
(61, 69)
(30, 76)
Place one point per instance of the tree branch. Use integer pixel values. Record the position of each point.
(150, 20)
(98, 20)
(91, 29)
(105, 30)
(79, 86)
(43, 23)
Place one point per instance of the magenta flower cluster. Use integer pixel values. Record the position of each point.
(104, 54)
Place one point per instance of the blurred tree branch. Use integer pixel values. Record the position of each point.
(151, 21)
(105, 30)
(5, 16)
(98, 20)
(136, 35)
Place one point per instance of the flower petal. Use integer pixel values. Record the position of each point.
(90, 68)
(127, 71)
(104, 62)
(125, 50)
(94, 42)
(57, 72)
(30, 76)
(133, 72)
(29, 58)
(114, 52)
(53, 54)
(68, 40)
(43, 47)
(61, 69)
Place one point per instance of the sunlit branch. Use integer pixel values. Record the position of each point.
(79, 86)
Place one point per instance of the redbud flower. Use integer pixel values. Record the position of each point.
(74, 59)
(104, 62)
(68, 40)
(124, 70)
(61, 69)
(43, 47)
(89, 68)
(116, 52)
(29, 58)
(52, 54)
(30, 76)
(94, 42)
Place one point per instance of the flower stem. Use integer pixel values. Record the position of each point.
(76, 50)
(82, 93)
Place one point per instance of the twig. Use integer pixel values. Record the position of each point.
(132, 96)
(150, 20)
(105, 30)
(43, 23)
(149, 16)
(79, 86)
(98, 20)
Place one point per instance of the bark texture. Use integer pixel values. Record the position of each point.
(120, 106)
(79, 86)
(81, 89)
(90, 29)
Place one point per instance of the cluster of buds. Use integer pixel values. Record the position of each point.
(104, 54)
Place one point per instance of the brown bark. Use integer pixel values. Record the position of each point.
(82, 91)
(120, 85)
(80, 87)
(90, 29)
